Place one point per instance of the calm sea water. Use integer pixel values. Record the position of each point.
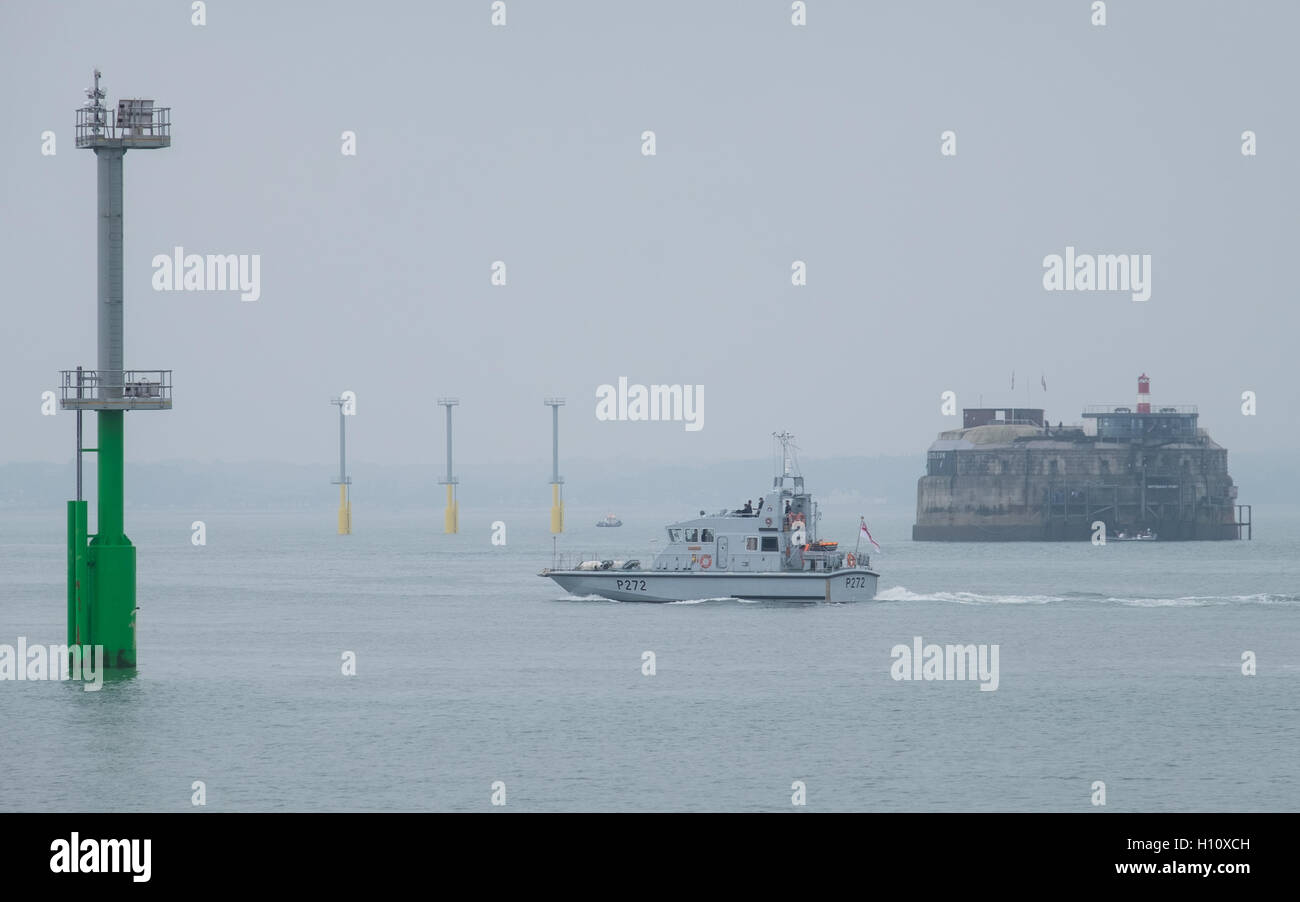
(1120, 664)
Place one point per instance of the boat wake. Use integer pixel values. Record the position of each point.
(1198, 601)
(900, 593)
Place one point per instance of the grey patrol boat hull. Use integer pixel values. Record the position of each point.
(766, 553)
(857, 584)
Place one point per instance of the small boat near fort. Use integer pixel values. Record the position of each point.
(610, 520)
(766, 553)
(1142, 535)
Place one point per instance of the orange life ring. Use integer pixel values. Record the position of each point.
(706, 561)
(850, 560)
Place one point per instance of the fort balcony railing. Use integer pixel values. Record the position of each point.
(1130, 407)
(123, 390)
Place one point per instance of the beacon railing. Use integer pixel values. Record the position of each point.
(124, 390)
(140, 125)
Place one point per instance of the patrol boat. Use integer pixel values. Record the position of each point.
(768, 553)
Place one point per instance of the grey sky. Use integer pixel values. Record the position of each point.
(775, 143)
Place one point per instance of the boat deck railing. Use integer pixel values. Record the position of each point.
(804, 561)
(828, 560)
(569, 560)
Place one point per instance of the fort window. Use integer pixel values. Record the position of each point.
(941, 463)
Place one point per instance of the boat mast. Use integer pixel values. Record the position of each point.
(787, 458)
(790, 470)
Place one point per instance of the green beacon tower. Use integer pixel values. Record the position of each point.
(101, 566)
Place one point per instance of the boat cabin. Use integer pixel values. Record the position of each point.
(779, 535)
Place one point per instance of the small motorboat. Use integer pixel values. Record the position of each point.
(610, 520)
(1143, 535)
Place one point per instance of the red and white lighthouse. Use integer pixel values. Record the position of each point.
(1144, 394)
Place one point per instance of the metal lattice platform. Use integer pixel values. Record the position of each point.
(136, 123)
(128, 390)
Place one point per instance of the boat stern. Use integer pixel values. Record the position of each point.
(856, 584)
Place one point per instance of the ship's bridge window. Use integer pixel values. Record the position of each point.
(706, 535)
(771, 543)
(751, 543)
(674, 535)
(692, 535)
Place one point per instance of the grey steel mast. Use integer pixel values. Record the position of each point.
(451, 518)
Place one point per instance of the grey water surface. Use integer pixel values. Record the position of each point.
(1120, 664)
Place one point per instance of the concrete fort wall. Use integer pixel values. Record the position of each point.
(1057, 490)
